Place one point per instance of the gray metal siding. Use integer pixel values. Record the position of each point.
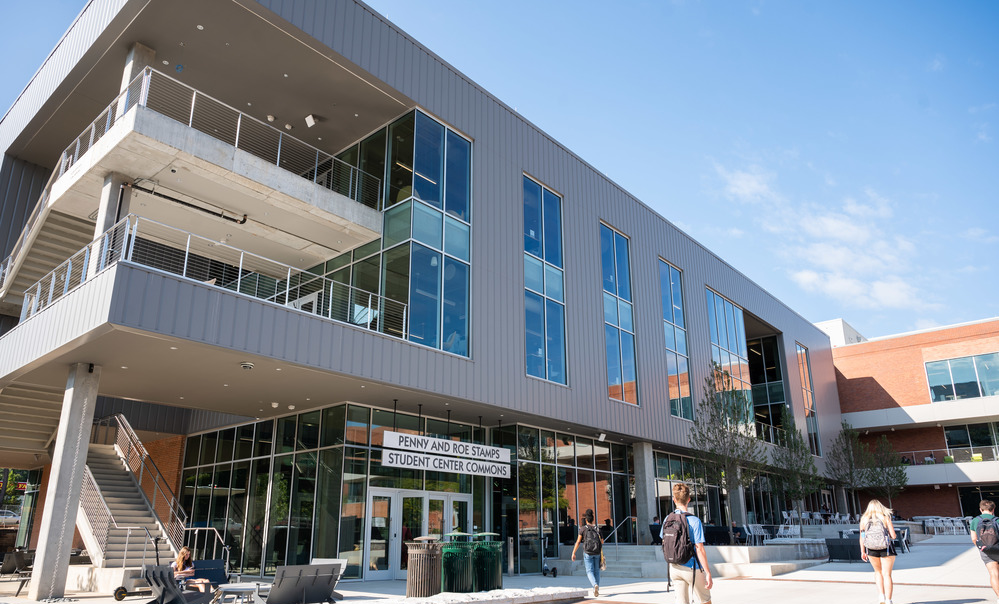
(21, 185)
(153, 417)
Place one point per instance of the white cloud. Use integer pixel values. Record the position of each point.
(925, 324)
(937, 63)
(982, 108)
(982, 135)
(980, 235)
(752, 185)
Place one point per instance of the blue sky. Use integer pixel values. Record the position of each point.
(843, 155)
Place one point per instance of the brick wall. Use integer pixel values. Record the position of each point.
(914, 440)
(923, 501)
(168, 455)
(891, 373)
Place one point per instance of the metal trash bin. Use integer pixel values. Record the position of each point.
(456, 567)
(487, 558)
(423, 571)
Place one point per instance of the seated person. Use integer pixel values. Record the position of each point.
(183, 572)
(740, 535)
(656, 530)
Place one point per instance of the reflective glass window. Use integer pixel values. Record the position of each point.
(555, 341)
(618, 325)
(623, 267)
(455, 307)
(552, 208)
(938, 376)
(333, 425)
(987, 366)
(400, 171)
(286, 434)
(398, 225)
(535, 327)
(532, 218)
(457, 190)
(607, 259)
(534, 274)
(427, 225)
(424, 296)
(456, 242)
(965, 378)
(543, 275)
(429, 162)
(553, 283)
(614, 384)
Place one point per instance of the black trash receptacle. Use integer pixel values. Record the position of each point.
(423, 571)
(487, 558)
(456, 567)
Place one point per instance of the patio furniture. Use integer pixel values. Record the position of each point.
(304, 584)
(167, 591)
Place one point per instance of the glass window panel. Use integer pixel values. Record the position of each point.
(628, 368)
(664, 292)
(534, 274)
(260, 474)
(425, 287)
(981, 435)
(373, 162)
(357, 424)
(670, 336)
(671, 367)
(775, 391)
(529, 509)
(624, 316)
(771, 357)
(209, 443)
(607, 263)
(555, 340)
(553, 228)
(601, 455)
(722, 317)
(677, 297)
(613, 363)
(681, 341)
(623, 266)
(455, 307)
(532, 218)
(565, 450)
(528, 444)
(965, 379)
(227, 439)
(553, 283)
(286, 434)
(429, 163)
(263, 438)
(610, 309)
(394, 478)
(957, 436)
(427, 225)
(333, 425)
(400, 185)
(584, 454)
(308, 430)
(395, 286)
(277, 523)
(534, 312)
(193, 452)
(457, 189)
(398, 225)
(547, 446)
(988, 373)
(712, 320)
(456, 238)
(355, 476)
(740, 328)
(675, 468)
(328, 500)
(244, 441)
(303, 499)
(733, 336)
(938, 376)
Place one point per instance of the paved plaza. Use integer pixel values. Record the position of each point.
(941, 570)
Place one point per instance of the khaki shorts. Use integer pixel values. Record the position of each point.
(682, 576)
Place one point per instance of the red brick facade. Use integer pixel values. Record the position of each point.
(923, 501)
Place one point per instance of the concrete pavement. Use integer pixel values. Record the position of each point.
(940, 570)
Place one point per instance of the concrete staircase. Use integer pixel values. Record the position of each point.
(129, 508)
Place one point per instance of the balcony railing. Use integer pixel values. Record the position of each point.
(155, 245)
(949, 455)
(167, 96)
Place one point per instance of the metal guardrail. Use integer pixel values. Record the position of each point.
(192, 540)
(771, 434)
(949, 455)
(156, 487)
(155, 245)
(613, 533)
(101, 519)
(167, 96)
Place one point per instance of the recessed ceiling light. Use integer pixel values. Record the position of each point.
(181, 398)
(287, 126)
(308, 399)
(320, 138)
(277, 369)
(173, 348)
(363, 386)
(274, 404)
(285, 75)
(226, 385)
(165, 62)
(201, 28)
(270, 118)
(291, 407)
(249, 104)
(124, 367)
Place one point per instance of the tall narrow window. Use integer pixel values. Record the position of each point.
(619, 329)
(544, 300)
(811, 422)
(767, 379)
(674, 330)
(728, 342)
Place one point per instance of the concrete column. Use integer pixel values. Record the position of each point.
(115, 202)
(139, 57)
(842, 501)
(738, 501)
(62, 494)
(645, 489)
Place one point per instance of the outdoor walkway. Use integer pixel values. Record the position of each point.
(941, 570)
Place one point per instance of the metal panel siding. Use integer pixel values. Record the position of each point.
(21, 185)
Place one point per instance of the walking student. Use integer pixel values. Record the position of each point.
(876, 534)
(984, 534)
(589, 536)
(694, 575)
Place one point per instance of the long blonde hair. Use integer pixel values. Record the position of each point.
(875, 511)
(183, 555)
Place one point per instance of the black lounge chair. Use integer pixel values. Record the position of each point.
(166, 590)
(304, 584)
(14, 569)
(213, 571)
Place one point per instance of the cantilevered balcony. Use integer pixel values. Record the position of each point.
(203, 166)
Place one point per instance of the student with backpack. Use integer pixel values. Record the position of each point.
(683, 547)
(876, 534)
(589, 537)
(985, 536)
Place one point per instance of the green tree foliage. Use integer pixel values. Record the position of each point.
(885, 474)
(847, 461)
(724, 430)
(793, 462)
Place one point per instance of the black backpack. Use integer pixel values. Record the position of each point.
(987, 536)
(677, 545)
(591, 540)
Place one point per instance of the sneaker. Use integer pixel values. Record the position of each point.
(596, 591)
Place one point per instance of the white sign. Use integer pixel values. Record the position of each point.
(440, 446)
(436, 463)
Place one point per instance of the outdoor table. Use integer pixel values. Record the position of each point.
(239, 592)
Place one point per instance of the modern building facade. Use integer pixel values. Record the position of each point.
(935, 395)
(287, 242)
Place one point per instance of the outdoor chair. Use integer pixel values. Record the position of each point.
(14, 569)
(166, 590)
(213, 571)
(304, 584)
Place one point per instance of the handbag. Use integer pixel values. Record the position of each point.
(603, 561)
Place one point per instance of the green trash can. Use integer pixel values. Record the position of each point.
(423, 570)
(487, 558)
(456, 567)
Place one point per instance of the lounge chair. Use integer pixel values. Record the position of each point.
(304, 584)
(167, 591)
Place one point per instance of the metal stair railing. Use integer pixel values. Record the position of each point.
(101, 520)
(156, 488)
(617, 541)
(192, 541)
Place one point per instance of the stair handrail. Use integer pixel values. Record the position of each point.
(219, 542)
(101, 520)
(138, 461)
(617, 542)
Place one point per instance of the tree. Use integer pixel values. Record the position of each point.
(794, 463)
(885, 474)
(724, 430)
(847, 461)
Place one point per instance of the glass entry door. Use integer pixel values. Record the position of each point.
(398, 516)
